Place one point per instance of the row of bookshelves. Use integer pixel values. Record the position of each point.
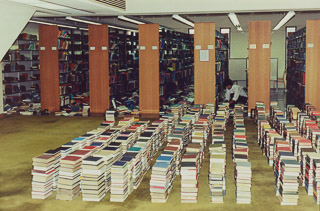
(296, 54)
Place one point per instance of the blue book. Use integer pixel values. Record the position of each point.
(164, 158)
(96, 144)
(120, 163)
(164, 165)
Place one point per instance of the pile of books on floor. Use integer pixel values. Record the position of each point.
(189, 178)
(43, 176)
(119, 181)
(302, 161)
(217, 172)
(69, 178)
(288, 187)
(162, 177)
(309, 173)
(242, 168)
(316, 180)
(176, 109)
(93, 180)
(110, 115)
(243, 176)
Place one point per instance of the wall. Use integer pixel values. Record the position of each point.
(209, 6)
(11, 29)
(239, 49)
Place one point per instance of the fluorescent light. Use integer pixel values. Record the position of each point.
(117, 27)
(183, 20)
(82, 21)
(235, 21)
(191, 31)
(84, 29)
(284, 20)
(129, 19)
(41, 22)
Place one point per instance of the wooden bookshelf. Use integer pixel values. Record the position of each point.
(312, 63)
(49, 71)
(99, 68)
(259, 63)
(204, 71)
(149, 69)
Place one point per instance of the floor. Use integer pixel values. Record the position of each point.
(24, 137)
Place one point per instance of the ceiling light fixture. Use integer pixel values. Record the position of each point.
(183, 20)
(82, 21)
(130, 19)
(235, 21)
(284, 20)
(41, 22)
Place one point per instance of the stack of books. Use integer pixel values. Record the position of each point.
(178, 145)
(43, 176)
(109, 115)
(316, 180)
(108, 158)
(302, 161)
(243, 176)
(288, 188)
(119, 181)
(176, 109)
(309, 171)
(69, 178)
(217, 173)
(161, 179)
(93, 179)
(57, 157)
(189, 181)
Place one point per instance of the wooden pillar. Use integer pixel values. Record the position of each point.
(49, 67)
(149, 70)
(99, 68)
(259, 63)
(204, 68)
(313, 63)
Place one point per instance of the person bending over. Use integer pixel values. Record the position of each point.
(234, 93)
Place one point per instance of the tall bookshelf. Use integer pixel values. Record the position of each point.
(124, 64)
(176, 63)
(296, 67)
(73, 64)
(20, 71)
(64, 58)
(221, 63)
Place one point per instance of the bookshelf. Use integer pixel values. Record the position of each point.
(73, 64)
(312, 63)
(99, 69)
(259, 63)
(65, 56)
(176, 62)
(20, 71)
(296, 67)
(149, 69)
(124, 64)
(221, 64)
(204, 71)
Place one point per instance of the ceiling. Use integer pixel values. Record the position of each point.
(59, 9)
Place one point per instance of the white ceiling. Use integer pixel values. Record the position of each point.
(85, 8)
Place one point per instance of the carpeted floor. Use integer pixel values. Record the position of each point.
(23, 138)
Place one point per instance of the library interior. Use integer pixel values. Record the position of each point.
(139, 105)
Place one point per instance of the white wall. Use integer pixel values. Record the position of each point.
(210, 6)
(239, 49)
(13, 19)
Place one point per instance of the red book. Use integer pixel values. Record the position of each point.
(80, 152)
(71, 158)
(88, 148)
